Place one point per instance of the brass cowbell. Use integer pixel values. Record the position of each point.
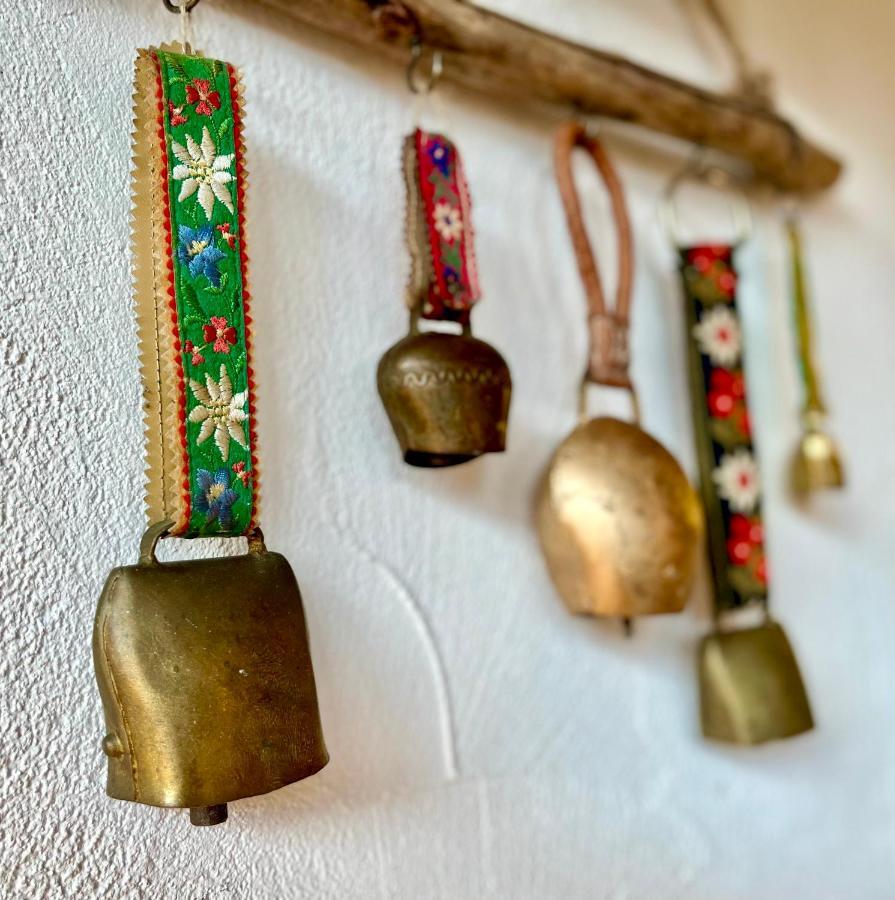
(618, 520)
(447, 395)
(816, 463)
(751, 690)
(750, 687)
(206, 680)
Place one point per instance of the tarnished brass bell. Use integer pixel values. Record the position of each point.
(750, 687)
(205, 675)
(619, 521)
(446, 395)
(816, 462)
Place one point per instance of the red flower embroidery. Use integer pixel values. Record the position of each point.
(727, 391)
(199, 91)
(197, 357)
(222, 334)
(240, 470)
(727, 281)
(703, 257)
(713, 264)
(746, 541)
(176, 112)
(720, 405)
(727, 382)
(226, 234)
(739, 552)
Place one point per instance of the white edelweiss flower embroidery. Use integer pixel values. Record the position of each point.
(220, 411)
(447, 221)
(201, 169)
(738, 481)
(718, 333)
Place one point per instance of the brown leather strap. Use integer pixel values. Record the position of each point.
(609, 354)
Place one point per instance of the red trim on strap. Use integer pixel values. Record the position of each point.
(246, 295)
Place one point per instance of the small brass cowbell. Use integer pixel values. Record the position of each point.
(205, 675)
(446, 395)
(750, 687)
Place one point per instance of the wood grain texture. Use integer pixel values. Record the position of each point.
(504, 58)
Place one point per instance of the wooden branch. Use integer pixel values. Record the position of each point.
(498, 56)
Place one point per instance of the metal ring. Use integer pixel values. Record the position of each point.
(586, 382)
(719, 179)
(175, 7)
(150, 539)
(435, 70)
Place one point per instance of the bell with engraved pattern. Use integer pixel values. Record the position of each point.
(447, 395)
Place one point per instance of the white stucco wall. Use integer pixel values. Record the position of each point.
(483, 742)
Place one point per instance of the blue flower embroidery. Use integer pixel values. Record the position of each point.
(440, 155)
(451, 279)
(215, 497)
(197, 251)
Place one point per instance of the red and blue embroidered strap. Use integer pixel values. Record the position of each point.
(729, 475)
(444, 282)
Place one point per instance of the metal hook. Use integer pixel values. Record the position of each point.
(175, 7)
(718, 179)
(435, 70)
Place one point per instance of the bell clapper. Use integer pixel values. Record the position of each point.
(628, 626)
(208, 815)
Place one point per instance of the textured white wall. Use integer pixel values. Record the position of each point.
(484, 743)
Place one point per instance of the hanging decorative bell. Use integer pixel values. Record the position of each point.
(206, 681)
(751, 690)
(447, 395)
(750, 687)
(203, 667)
(816, 462)
(618, 520)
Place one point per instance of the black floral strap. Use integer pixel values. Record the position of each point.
(731, 487)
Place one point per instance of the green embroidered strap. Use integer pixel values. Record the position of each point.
(191, 294)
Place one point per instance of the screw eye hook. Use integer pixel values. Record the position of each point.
(698, 170)
(418, 81)
(175, 7)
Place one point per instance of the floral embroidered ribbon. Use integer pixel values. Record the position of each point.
(729, 473)
(443, 282)
(189, 268)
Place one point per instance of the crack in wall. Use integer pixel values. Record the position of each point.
(427, 635)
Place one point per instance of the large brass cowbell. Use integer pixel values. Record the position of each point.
(205, 675)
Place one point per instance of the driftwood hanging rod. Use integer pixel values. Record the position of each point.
(490, 53)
